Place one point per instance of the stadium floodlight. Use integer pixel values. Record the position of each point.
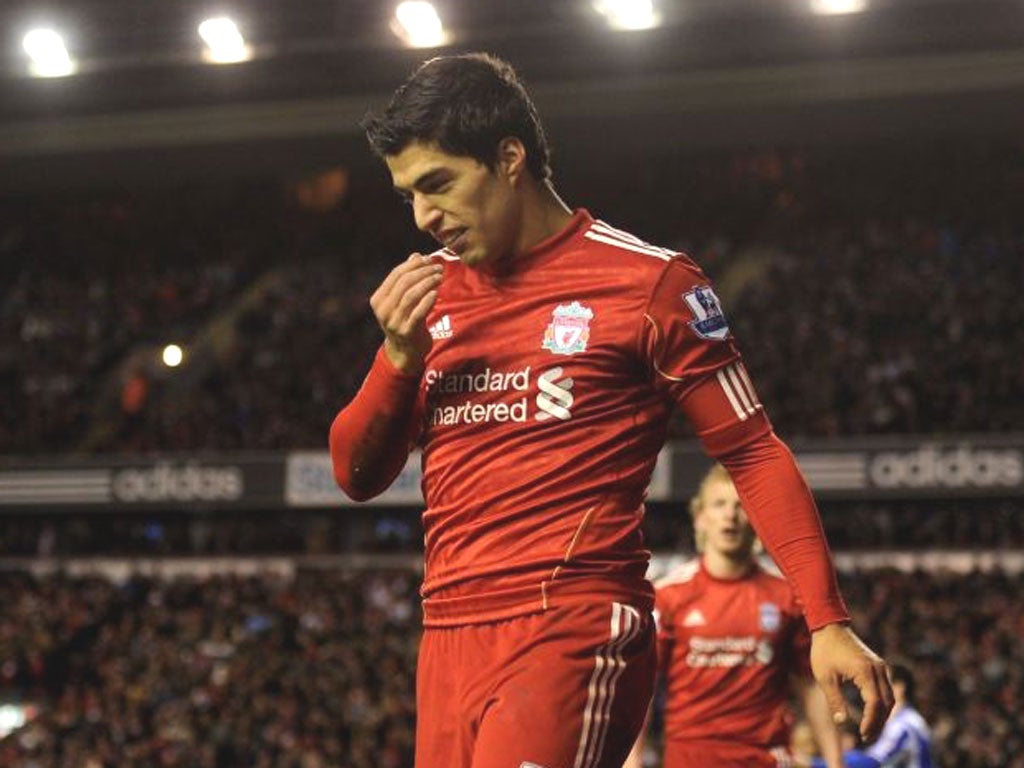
(629, 14)
(838, 7)
(12, 717)
(224, 43)
(173, 355)
(417, 24)
(46, 49)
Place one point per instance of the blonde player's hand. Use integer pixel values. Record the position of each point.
(837, 655)
(401, 305)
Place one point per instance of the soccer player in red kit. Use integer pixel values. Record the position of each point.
(732, 646)
(536, 358)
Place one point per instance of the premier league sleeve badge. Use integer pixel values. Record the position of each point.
(709, 320)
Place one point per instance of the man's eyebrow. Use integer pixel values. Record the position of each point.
(422, 181)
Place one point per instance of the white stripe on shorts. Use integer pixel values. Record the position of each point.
(609, 665)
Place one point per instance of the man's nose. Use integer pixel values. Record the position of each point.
(426, 214)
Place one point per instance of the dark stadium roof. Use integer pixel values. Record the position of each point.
(146, 54)
(318, 64)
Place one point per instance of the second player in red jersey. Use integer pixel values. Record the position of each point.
(535, 359)
(732, 649)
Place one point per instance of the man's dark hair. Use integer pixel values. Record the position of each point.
(466, 104)
(901, 674)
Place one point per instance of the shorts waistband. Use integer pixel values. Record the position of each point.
(498, 604)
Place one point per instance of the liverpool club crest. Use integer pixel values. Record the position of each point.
(569, 330)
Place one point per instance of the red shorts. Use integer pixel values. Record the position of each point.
(720, 754)
(566, 688)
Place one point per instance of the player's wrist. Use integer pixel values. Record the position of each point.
(405, 359)
(832, 628)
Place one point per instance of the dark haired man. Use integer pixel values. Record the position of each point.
(536, 358)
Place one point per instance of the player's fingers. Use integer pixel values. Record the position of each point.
(385, 287)
(834, 699)
(411, 265)
(877, 694)
(391, 302)
(415, 261)
(415, 278)
(420, 311)
(405, 316)
(884, 675)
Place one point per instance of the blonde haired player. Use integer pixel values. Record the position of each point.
(732, 645)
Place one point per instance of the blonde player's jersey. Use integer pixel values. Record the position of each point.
(727, 650)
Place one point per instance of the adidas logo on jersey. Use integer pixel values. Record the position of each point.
(694, 619)
(442, 329)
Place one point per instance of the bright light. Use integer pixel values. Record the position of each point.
(49, 55)
(838, 7)
(224, 43)
(416, 22)
(629, 14)
(173, 355)
(12, 717)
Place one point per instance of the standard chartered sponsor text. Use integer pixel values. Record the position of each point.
(482, 381)
(471, 412)
(476, 413)
(728, 651)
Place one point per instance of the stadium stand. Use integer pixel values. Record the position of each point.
(228, 671)
(236, 670)
(262, 288)
(268, 294)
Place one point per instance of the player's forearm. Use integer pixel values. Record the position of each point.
(781, 507)
(370, 437)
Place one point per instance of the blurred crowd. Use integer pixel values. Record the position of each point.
(317, 671)
(171, 534)
(83, 283)
(850, 526)
(963, 634)
(258, 672)
(864, 526)
(873, 290)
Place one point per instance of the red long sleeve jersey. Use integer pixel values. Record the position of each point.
(727, 650)
(541, 412)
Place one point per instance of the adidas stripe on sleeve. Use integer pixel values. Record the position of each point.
(694, 361)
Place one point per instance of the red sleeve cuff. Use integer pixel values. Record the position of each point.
(371, 437)
(384, 371)
(781, 507)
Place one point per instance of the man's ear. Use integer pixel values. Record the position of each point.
(511, 158)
